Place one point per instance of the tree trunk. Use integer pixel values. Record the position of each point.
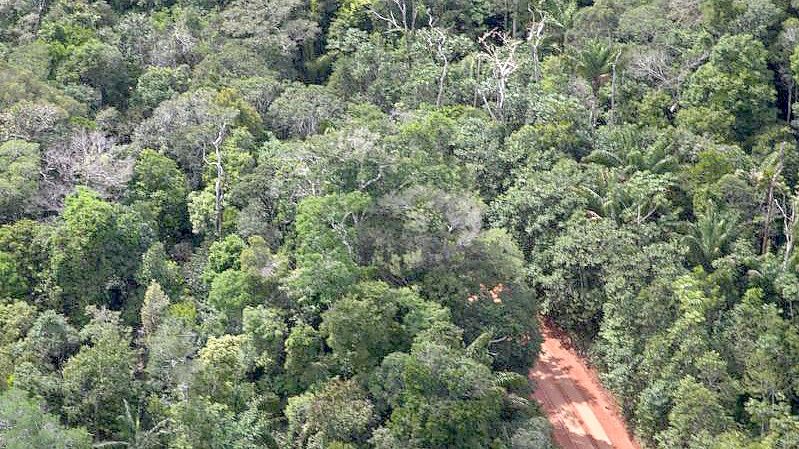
(613, 91)
(766, 242)
(477, 82)
(790, 224)
(515, 22)
(441, 80)
(218, 194)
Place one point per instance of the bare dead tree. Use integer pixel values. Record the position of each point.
(219, 191)
(341, 229)
(686, 13)
(769, 213)
(87, 158)
(176, 46)
(651, 65)
(403, 20)
(438, 41)
(360, 148)
(500, 52)
(535, 36)
(41, 9)
(788, 208)
(27, 120)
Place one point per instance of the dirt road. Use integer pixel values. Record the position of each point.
(581, 411)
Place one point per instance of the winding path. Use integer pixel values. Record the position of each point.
(583, 414)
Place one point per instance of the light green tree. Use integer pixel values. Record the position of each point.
(19, 178)
(27, 426)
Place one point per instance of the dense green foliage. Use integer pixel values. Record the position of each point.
(331, 224)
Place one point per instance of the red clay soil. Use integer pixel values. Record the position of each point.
(583, 414)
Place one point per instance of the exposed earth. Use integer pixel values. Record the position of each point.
(583, 414)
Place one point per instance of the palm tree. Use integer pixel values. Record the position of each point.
(136, 436)
(629, 149)
(710, 234)
(594, 62)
